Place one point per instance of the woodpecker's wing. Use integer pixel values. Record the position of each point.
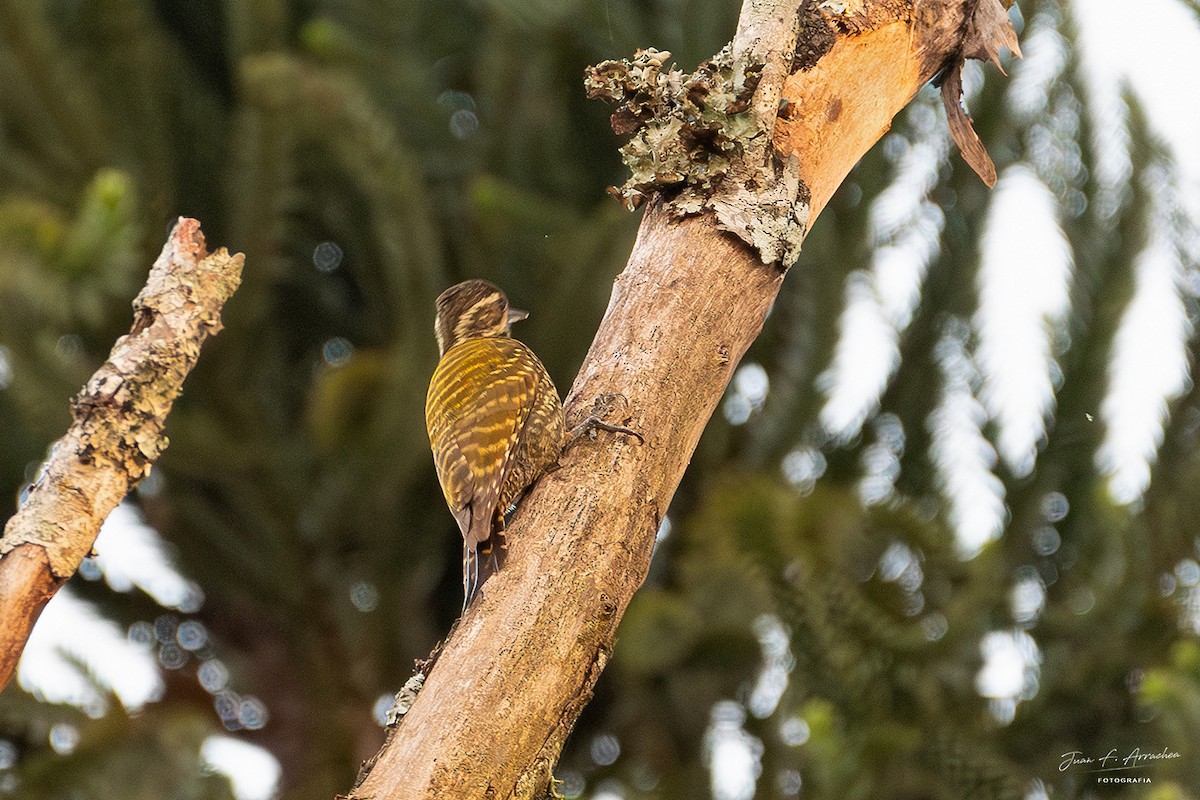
(478, 401)
(458, 485)
(539, 442)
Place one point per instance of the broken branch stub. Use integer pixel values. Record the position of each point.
(988, 29)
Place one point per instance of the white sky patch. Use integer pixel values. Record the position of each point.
(1036, 790)
(1011, 666)
(1100, 59)
(1185, 579)
(1023, 295)
(77, 656)
(777, 663)
(899, 564)
(1050, 114)
(1151, 51)
(803, 467)
(6, 372)
(867, 354)
(252, 771)
(1045, 52)
(880, 460)
(749, 389)
(963, 456)
(905, 232)
(1149, 367)
(734, 756)
(130, 553)
(1156, 49)
(1027, 599)
(74, 655)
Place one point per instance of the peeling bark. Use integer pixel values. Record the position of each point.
(513, 676)
(988, 30)
(117, 431)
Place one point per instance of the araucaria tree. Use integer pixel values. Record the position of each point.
(799, 584)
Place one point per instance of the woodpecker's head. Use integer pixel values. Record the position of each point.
(471, 310)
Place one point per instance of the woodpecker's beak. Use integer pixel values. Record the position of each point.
(516, 315)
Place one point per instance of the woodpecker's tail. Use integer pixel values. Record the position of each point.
(470, 574)
(481, 560)
(476, 533)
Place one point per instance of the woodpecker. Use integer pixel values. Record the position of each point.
(494, 418)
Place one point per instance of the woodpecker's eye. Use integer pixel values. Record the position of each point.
(470, 309)
(486, 315)
(493, 313)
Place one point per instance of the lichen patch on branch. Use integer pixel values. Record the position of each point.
(696, 139)
(685, 130)
(774, 216)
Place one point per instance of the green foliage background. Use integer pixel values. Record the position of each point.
(438, 141)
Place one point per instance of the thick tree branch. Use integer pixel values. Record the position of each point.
(493, 713)
(117, 433)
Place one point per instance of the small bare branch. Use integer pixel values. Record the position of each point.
(117, 432)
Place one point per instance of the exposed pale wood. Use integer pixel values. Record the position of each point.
(835, 113)
(26, 585)
(117, 433)
(512, 679)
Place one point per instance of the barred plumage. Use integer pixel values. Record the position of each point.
(494, 417)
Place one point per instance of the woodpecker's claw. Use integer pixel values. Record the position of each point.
(594, 423)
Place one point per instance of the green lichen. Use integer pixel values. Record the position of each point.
(686, 131)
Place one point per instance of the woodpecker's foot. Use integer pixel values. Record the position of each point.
(592, 424)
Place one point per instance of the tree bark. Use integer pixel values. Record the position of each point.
(117, 433)
(513, 677)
